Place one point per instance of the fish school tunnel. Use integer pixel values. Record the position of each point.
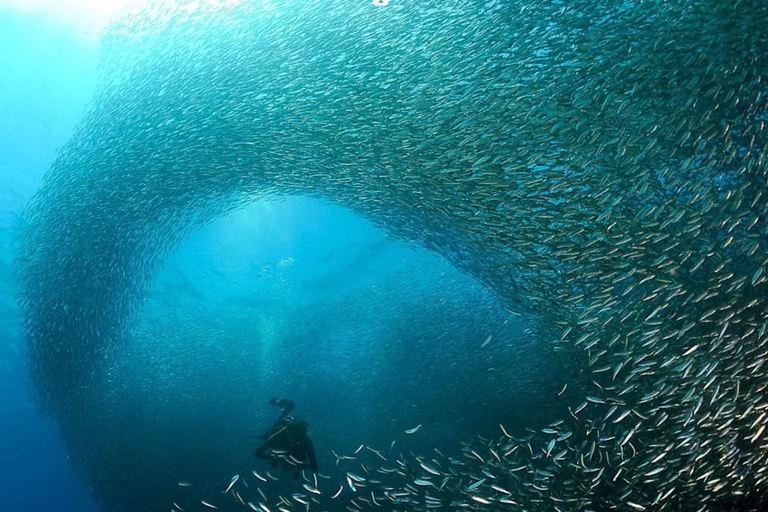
(501, 256)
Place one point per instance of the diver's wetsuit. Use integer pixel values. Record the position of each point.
(288, 435)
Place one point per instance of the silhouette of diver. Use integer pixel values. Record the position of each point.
(287, 439)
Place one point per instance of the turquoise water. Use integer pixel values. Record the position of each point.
(48, 75)
(502, 255)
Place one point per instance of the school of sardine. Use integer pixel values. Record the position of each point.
(601, 166)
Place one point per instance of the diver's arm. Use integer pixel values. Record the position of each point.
(261, 452)
(272, 430)
(276, 426)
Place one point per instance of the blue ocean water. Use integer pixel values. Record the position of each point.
(47, 75)
(494, 252)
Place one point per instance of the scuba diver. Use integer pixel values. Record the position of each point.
(287, 440)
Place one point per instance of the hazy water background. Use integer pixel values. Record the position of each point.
(47, 76)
